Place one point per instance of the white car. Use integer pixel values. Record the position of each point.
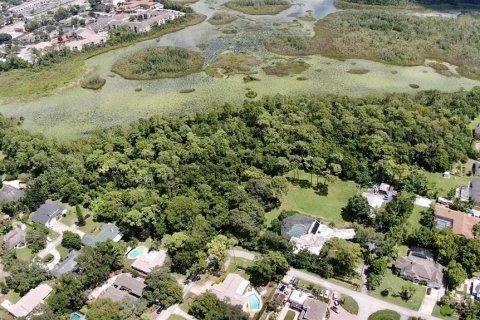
(326, 294)
(336, 296)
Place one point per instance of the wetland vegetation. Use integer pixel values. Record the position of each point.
(37, 81)
(158, 63)
(221, 18)
(369, 34)
(231, 64)
(282, 68)
(258, 7)
(94, 82)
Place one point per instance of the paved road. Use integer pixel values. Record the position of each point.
(367, 304)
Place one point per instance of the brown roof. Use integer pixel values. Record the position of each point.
(420, 269)
(462, 223)
(315, 310)
(132, 285)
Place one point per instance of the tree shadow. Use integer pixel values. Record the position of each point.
(321, 189)
(302, 183)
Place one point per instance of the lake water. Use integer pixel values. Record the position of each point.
(77, 111)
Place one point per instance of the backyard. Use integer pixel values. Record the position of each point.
(393, 284)
(443, 185)
(311, 202)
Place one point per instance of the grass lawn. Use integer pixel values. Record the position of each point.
(308, 201)
(308, 285)
(436, 313)
(443, 185)
(176, 317)
(12, 296)
(24, 254)
(290, 315)
(402, 250)
(52, 234)
(238, 265)
(70, 218)
(349, 304)
(63, 252)
(90, 225)
(415, 217)
(4, 315)
(384, 315)
(394, 284)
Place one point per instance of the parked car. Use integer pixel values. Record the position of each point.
(326, 293)
(429, 290)
(334, 309)
(336, 296)
(335, 302)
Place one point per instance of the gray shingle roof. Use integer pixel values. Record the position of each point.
(475, 190)
(10, 193)
(47, 212)
(108, 231)
(69, 265)
(14, 238)
(314, 309)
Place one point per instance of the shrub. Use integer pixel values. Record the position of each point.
(446, 310)
(94, 83)
(71, 240)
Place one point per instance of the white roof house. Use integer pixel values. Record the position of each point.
(150, 261)
(298, 297)
(237, 290)
(30, 301)
(476, 288)
(374, 200)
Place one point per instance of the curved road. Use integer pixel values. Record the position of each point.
(367, 304)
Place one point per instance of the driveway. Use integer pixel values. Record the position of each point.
(429, 301)
(341, 315)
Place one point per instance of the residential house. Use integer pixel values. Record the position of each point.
(10, 193)
(460, 222)
(48, 213)
(297, 298)
(475, 191)
(15, 237)
(420, 270)
(108, 231)
(474, 288)
(313, 310)
(28, 302)
(125, 286)
(311, 235)
(150, 261)
(238, 291)
(69, 265)
(309, 308)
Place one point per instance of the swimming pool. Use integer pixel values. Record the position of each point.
(298, 230)
(254, 302)
(76, 316)
(137, 253)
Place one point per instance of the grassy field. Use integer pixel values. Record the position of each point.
(63, 251)
(12, 296)
(4, 315)
(443, 185)
(349, 304)
(70, 218)
(384, 315)
(415, 217)
(158, 63)
(394, 284)
(238, 265)
(290, 315)
(176, 317)
(24, 254)
(308, 201)
(90, 225)
(257, 7)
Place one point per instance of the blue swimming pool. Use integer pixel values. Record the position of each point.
(297, 231)
(137, 253)
(76, 316)
(254, 302)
